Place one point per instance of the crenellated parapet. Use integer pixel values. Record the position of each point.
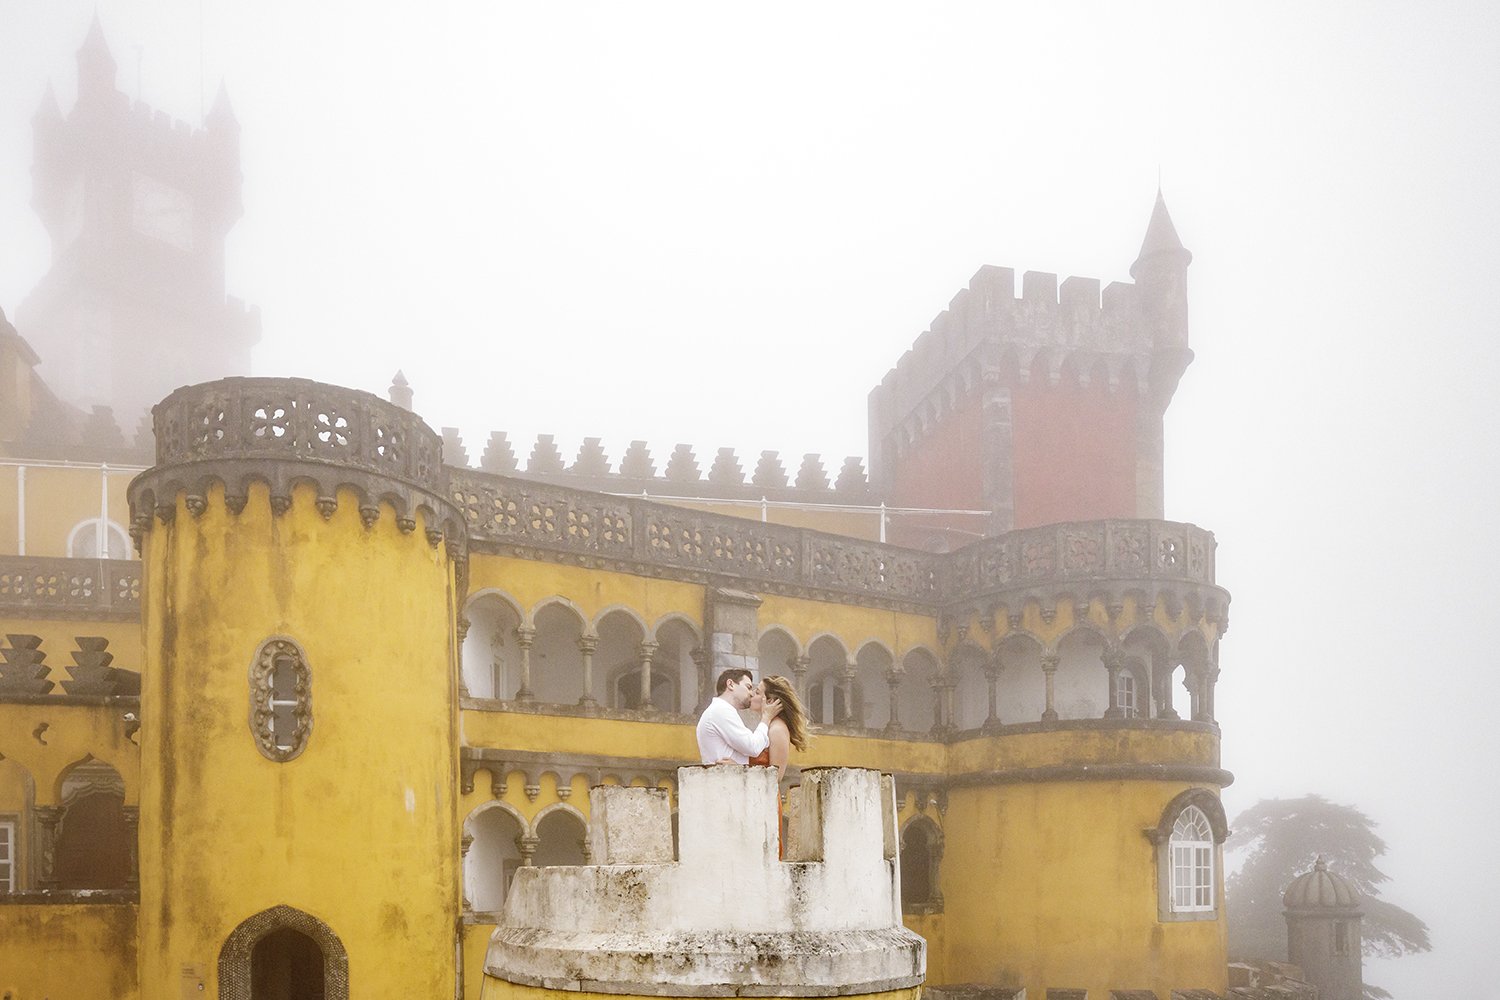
(678, 472)
(726, 916)
(286, 432)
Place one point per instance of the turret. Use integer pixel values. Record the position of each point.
(1323, 932)
(298, 752)
(1160, 273)
(97, 70)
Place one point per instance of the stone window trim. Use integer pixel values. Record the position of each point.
(1212, 810)
(234, 957)
(934, 902)
(272, 745)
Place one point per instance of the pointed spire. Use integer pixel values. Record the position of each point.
(96, 66)
(1161, 237)
(221, 115)
(47, 111)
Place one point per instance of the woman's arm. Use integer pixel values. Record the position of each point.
(781, 747)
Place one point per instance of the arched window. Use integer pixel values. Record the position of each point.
(1192, 844)
(562, 839)
(92, 849)
(493, 856)
(1188, 840)
(287, 965)
(921, 857)
(280, 699)
(84, 542)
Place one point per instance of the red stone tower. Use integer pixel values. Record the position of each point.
(1040, 409)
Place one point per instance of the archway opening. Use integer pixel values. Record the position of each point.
(286, 965)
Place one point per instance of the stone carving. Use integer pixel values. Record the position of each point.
(71, 587)
(768, 471)
(22, 671)
(498, 456)
(91, 672)
(280, 680)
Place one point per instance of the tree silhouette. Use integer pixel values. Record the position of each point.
(1283, 838)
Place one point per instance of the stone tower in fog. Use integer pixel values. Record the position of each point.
(1323, 932)
(137, 207)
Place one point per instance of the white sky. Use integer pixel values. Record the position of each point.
(722, 225)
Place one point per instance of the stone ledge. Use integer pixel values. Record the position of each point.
(791, 963)
(71, 897)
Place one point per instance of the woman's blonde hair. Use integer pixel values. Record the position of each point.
(792, 711)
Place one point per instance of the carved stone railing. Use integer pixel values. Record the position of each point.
(283, 432)
(70, 588)
(295, 419)
(600, 530)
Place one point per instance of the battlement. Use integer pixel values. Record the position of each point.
(681, 472)
(728, 917)
(1050, 331)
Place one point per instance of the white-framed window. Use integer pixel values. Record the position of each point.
(1192, 862)
(84, 541)
(1125, 693)
(280, 699)
(8, 880)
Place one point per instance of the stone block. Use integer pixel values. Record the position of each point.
(629, 825)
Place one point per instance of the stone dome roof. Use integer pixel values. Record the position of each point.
(1320, 888)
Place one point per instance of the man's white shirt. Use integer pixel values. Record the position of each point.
(722, 733)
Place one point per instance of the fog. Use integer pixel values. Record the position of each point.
(722, 226)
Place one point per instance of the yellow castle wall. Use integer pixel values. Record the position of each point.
(52, 951)
(57, 498)
(360, 830)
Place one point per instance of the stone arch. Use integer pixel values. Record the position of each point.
(827, 662)
(621, 633)
(92, 834)
(916, 699)
(921, 864)
(491, 655)
(969, 684)
(778, 653)
(556, 656)
(493, 833)
(1081, 683)
(1020, 686)
(872, 706)
(562, 836)
(239, 948)
(1205, 802)
(1147, 651)
(1196, 658)
(678, 641)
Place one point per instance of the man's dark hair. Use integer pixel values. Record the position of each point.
(732, 676)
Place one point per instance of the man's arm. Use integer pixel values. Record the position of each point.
(728, 724)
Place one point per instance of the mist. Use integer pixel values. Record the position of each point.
(722, 226)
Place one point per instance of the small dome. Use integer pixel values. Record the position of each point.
(1320, 888)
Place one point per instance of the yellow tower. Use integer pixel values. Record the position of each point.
(302, 569)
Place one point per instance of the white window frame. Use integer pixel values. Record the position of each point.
(1191, 863)
(1125, 693)
(9, 882)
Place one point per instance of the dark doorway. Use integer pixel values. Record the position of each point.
(93, 845)
(916, 866)
(286, 965)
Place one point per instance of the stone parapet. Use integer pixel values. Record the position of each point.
(70, 588)
(729, 918)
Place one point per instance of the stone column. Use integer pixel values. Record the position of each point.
(587, 645)
(132, 839)
(1163, 685)
(704, 661)
(527, 843)
(937, 705)
(992, 668)
(893, 678)
(463, 633)
(47, 820)
(1209, 684)
(1113, 661)
(949, 719)
(525, 636)
(800, 666)
(463, 867)
(1049, 672)
(853, 714)
(648, 651)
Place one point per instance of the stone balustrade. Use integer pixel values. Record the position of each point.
(70, 588)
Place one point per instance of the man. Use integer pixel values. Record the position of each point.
(722, 734)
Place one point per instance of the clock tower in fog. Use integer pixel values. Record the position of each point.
(138, 207)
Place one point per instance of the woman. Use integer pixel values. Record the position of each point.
(787, 730)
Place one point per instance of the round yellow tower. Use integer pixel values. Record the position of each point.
(302, 568)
